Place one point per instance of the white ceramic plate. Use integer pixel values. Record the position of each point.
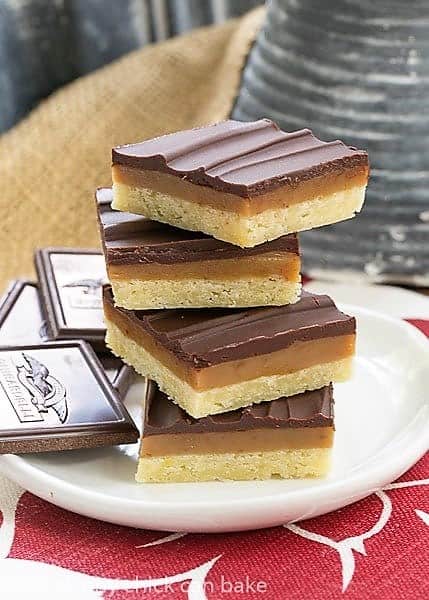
(382, 430)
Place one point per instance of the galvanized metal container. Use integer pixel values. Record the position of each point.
(357, 70)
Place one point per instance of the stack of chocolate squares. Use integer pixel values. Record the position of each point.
(60, 388)
(240, 362)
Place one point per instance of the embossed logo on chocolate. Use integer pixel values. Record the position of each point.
(32, 391)
(78, 279)
(89, 293)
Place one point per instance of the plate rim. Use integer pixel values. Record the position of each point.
(358, 484)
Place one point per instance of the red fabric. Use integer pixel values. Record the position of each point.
(376, 548)
(420, 324)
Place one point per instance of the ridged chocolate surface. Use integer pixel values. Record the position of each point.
(310, 409)
(212, 336)
(132, 239)
(245, 159)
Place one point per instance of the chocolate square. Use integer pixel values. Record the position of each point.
(70, 283)
(21, 316)
(22, 322)
(120, 375)
(56, 396)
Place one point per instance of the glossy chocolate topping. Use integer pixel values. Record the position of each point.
(207, 337)
(132, 239)
(245, 159)
(310, 409)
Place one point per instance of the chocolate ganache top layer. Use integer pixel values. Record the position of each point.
(206, 337)
(310, 409)
(246, 159)
(133, 239)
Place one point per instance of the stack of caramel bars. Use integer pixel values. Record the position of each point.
(199, 237)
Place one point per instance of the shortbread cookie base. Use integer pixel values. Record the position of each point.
(284, 464)
(231, 227)
(229, 397)
(198, 293)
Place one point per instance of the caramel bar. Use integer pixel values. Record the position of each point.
(244, 183)
(287, 437)
(214, 360)
(151, 265)
(56, 396)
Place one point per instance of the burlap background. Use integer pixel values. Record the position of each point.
(51, 162)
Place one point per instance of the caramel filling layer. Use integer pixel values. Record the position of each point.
(254, 440)
(282, 197)
(298, 356)
(286, 266)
